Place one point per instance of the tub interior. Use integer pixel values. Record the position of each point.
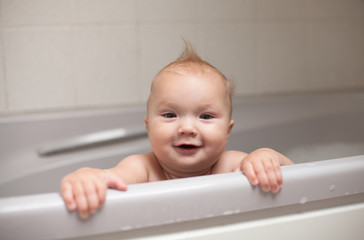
(306, 128)
(24, 171)
(306, 140)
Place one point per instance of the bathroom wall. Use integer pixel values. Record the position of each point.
(76, 54)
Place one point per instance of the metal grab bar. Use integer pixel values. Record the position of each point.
(91, 139)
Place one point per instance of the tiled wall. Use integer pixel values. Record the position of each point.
(71, 54)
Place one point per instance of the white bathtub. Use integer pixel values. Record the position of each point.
(322, 196)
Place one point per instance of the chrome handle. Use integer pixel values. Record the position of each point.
(91, 139)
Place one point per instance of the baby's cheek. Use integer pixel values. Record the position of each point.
(160, 132)
(218, 140)
(160, 138)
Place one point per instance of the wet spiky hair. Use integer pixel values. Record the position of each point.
(190, 61)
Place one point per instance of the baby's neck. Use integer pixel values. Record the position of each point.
(174, 175)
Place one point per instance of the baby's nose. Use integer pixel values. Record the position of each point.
(187, 128)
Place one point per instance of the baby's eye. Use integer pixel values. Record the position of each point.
(169, 115)
(206, 116)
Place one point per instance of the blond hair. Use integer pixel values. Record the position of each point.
(189, 60)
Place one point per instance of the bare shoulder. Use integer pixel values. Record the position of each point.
(229, 161)
(139, 158)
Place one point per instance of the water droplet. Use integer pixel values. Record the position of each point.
(303, 200)
(332, 188)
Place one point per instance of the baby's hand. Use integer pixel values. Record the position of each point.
(263, 167)
(85, 189)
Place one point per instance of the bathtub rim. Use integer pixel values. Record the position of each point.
(49, 209)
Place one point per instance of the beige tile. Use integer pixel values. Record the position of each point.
(1, 15)
(335, 62)
(230, 48)
(281, 57)
(104, 11)
(336, 9)
(30, 12)
(160, 45)
(361, 26)
(106, 65)
(38, 69)
(167, 12)
(229, 10)
(3, 107)
(3, 91)
(280, 10)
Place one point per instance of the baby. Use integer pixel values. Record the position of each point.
(188, 123)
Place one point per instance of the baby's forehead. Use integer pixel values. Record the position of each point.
(191, 68)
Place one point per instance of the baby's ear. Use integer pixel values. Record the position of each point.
(231, 125)
(146, 123)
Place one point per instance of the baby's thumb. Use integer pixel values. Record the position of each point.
(113, 181)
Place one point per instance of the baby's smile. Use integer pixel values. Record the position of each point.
(187, 148)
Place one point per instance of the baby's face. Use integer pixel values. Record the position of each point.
(188, 121)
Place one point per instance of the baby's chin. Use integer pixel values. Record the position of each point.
(191, 168)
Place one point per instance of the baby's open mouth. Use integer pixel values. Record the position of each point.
(186, 146)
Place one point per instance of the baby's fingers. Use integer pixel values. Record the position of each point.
(81, 201)
(263, 178)
(278, 173)
(113, 181)
(67, 195)
(249, 172)
(101, 191)
(272, 182)
(93, 199)
(274, 175)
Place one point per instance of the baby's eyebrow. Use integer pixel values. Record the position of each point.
(165, 104)
(208, 106)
